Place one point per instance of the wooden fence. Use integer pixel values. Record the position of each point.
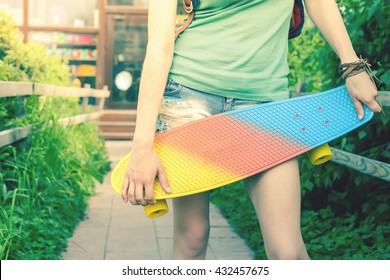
(364, 165)
(22, 90)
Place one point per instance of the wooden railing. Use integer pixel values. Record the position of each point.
(364, 165)
(22, 90)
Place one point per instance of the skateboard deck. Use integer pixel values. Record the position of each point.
(225, 148)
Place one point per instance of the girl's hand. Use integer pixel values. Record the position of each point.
(143, 167)
(362, 91)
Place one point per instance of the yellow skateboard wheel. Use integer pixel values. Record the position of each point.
(320, 154)
(157, 210)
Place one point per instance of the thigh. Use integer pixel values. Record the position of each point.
(276, 197)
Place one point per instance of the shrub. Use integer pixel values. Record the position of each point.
(45, 180)
(25, 62)
(345, 214)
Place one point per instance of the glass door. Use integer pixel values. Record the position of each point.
(126, 47)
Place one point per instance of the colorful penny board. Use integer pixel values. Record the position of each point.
(225, 148)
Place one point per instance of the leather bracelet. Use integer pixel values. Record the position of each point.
(353, 68)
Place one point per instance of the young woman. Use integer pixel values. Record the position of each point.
(234, 54)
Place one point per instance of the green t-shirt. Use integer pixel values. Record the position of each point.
(236, 48)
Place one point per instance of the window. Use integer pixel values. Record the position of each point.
(14, 7)
(64, 13)
(136, 3)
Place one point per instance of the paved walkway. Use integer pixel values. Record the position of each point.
(118, 231)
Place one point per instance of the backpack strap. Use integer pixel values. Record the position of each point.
(297, 20)
(189, 8)
(296, 24)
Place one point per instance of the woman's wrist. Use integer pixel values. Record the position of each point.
(348, 58)
(142, 143)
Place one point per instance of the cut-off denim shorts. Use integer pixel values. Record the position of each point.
(181, 105)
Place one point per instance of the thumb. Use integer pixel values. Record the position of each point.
(359, 108)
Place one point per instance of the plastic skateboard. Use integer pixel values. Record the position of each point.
(225, 148)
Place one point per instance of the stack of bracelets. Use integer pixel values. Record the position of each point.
(357, 67)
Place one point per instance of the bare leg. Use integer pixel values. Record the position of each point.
(276, 197)
(191, 226)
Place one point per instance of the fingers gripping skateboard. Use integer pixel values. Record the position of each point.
(117, 177)
(320, 154)
(118, 174)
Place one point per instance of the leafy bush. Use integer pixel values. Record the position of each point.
(346, 214)
(25, 62)
(313, 62)
(45, 179)
(368, 24)
(351, 195)
(329, 233)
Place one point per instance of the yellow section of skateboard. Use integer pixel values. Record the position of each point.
(179, 174)
(317, 156)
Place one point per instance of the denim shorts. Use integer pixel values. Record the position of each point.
(181, 105)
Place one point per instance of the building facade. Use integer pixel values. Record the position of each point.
(98, 39)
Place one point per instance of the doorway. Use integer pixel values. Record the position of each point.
(125, 54)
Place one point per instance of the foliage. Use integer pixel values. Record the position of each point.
(329, 233)
(368, 24)
(307, 54)
(45, 183)
(342, 188)
(25, 62)
(345, 214)
(45, 180)
(314, 63)
(236, 207)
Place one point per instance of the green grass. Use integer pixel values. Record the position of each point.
(46, 181)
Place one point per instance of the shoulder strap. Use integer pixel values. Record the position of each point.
(189, 8)
(297, 19)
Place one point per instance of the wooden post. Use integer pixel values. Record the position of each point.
(85, 100)
(101, 101)
(25, 24)
(21, 104)
(101, 44)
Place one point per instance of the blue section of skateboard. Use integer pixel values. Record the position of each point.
(309, 120)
